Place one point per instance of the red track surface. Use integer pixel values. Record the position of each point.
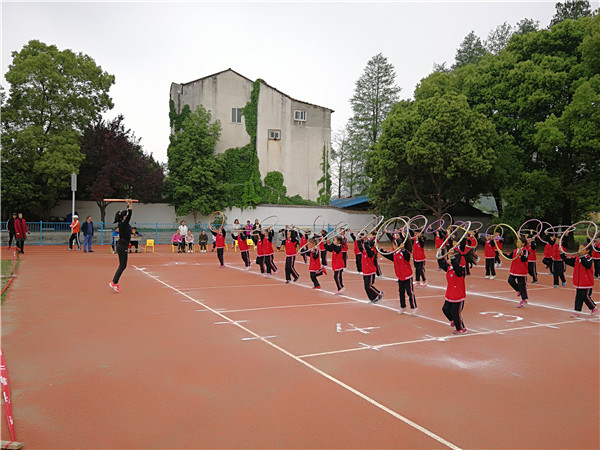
(193, 356)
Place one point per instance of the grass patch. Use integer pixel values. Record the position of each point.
(6, 270)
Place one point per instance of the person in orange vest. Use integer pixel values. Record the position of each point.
(74, 233)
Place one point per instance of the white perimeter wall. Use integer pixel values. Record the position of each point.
(164, 213)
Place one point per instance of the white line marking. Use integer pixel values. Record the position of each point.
(442, 338)
(320, 372)
(370, 347)
(364, 330)
(546, 325)
(230, 322)
(259, 337)
(379, 304)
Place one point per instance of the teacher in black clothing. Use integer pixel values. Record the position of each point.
(122, 218)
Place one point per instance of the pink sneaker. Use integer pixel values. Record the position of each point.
(316, 287)
(463, 331)
(575, 315)
(114, 286)
(594, 311)
(522, 303)
(452, 324)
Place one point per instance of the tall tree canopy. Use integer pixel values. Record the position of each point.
(54, 94)
(192, 182)
(433, 153)
(116, 166)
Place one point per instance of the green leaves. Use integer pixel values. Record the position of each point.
(193, 181)
(54, 95)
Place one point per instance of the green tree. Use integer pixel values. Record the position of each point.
(116, 166)
(375, 93)
(498, 38)
(53, 96)
(470, 51)
(275, 191)
(339, 155)
(193, 185)
(571, 9)
(414, 165)
(325, 180)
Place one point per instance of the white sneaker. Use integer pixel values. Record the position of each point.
(413, 312)
(402, 310)
(492, 277)
(487, 276)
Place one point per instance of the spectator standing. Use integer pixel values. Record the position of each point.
(74, 233)
(21, 232)
(10, 226)
(87, 228)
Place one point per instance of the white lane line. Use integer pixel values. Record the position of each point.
(340, 383)
(443, 338)
(358, 300)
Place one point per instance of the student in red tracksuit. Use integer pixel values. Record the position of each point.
(372, 237)
(357, 254)
(220, 244)
(456, 292)
(260, 256)
(404, 273)
(291, 243)
(268, 252)
(558, 265)
(499, 244)
(322, 248)
(418, 250)
(518, 270)
(489, 251)
(547, 260)
(243, 246)
(314, 267)
(532, 260)
(369, 270)
(583, 280)
(337, 261)
(304, 246)
(344, 242)
(596, 257)
(440, 236)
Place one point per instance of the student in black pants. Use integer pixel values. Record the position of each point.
(123, 218)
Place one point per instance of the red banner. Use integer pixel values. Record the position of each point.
(6, 395)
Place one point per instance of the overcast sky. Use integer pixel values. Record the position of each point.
(313, 52)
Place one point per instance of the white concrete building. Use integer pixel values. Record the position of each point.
(290, 136)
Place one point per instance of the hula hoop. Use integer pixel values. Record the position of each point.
(341, 226)
(587, 232)
(450, 235)
(372, 225)
(557, 230)
(516, 235)
(383, 230)
(430, 229)
(450, 219)
(415, 218)
(487, 231)
(321, 239)
(267, 218)
(543, 232)
(210, 219)
(537, 231)
(476, 229)
(314, 228)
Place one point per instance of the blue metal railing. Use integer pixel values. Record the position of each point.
(58, 233)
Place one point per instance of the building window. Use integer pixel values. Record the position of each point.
(236, 115)
(275, 135)
(299, 116)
